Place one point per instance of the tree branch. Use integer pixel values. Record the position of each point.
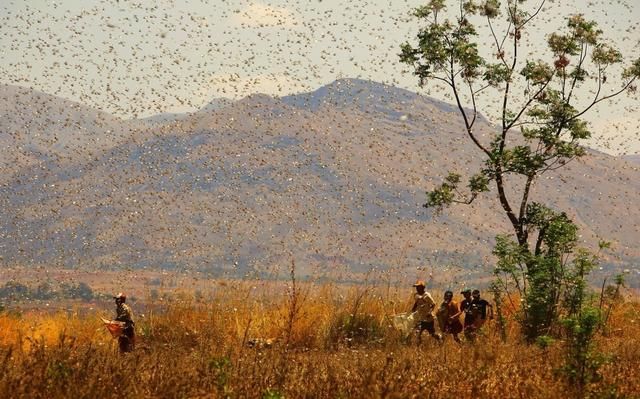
(466, 201)
(507, 86)
(498, 46)
(528, 103)
(481, 89)
(506, 206)
(596, 100)
(534, 14)
(448, 82)
(583, 56)
(506, 35)
(473, 101)
(541, 235)
(468, 126)
(524, 202)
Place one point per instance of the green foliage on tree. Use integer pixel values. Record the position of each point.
(542, 102)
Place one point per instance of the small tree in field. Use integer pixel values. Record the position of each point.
(540, 130)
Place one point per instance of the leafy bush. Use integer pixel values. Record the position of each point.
(583, 361)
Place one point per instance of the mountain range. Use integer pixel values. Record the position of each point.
(334, 179)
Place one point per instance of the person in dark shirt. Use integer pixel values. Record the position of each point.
(479, 309)
(481, 305)
(465, 307)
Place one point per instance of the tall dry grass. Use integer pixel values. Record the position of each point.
(337, 344)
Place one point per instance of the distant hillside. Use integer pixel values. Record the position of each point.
(335, 177)
(635, 158)
(37, 129)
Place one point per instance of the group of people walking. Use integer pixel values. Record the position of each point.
(473, 310)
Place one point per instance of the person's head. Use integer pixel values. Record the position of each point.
(448, 296)
(466, 293)
(419, 287)
(120, 298)
(476, 294)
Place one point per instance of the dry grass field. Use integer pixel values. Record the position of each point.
(329, 342)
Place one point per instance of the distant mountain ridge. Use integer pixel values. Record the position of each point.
(335, 177)
(362, 94)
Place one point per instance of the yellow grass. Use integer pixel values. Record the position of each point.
(199, 349)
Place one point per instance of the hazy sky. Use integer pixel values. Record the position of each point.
(137, 58)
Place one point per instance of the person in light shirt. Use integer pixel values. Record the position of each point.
(423, 307)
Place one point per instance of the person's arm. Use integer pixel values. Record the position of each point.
(490, 311)
(458, 313)
(415, 306)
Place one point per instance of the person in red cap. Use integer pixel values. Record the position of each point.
(124, 314)
(423, 309)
